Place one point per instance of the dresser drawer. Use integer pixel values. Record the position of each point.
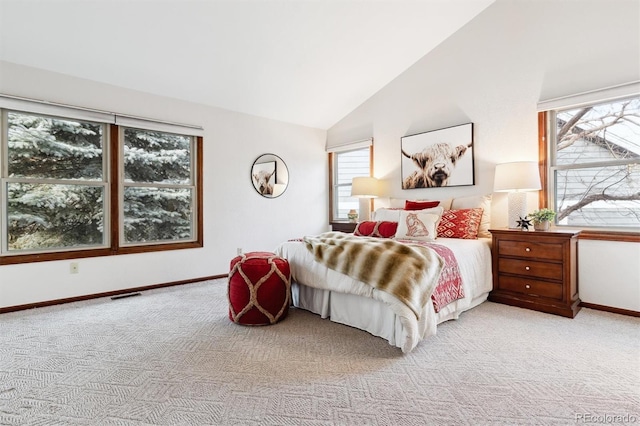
(530, 268)
(530, 287)
(546, 251)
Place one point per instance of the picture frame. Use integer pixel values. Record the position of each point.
(437, 158)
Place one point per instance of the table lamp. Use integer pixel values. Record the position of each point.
(365, 188)
(517, 178)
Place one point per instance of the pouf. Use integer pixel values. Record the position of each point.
(259, 288)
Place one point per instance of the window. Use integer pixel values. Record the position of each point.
(73, 187)
(595, 164)
(55, 185)
(345, 166)
(159, 189)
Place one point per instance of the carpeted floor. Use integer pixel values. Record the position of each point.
(171, 356)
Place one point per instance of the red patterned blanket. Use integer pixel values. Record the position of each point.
(449, 287)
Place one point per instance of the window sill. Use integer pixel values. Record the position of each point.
(612, 234)
(625, 236)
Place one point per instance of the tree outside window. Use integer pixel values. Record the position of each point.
(596, 165)
(158, 186)
(58, 201)
(54, 183)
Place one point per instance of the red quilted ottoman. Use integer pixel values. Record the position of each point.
(259, 288)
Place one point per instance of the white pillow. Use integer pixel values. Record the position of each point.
(416, 225)
(473, 202)
(393, 215)
(386, 215)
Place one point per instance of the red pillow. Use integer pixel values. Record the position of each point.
(376, 229)
(420, 205)
(463, 223)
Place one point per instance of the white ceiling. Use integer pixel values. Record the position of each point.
(308, 62)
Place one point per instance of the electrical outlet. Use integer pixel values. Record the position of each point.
(74, 268)
(239, 251)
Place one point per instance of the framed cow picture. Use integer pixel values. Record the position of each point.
(442, 157)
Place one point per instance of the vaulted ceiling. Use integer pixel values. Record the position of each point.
(308, 62)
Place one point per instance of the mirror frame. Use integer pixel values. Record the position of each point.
(276, 169)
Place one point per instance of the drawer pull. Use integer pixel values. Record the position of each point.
(527, 268)
(527, 286)
(527, 249)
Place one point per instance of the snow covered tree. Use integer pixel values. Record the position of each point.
(158, 195)
(54, 191)
(57, 185)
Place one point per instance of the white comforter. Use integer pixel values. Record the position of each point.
(474, 260)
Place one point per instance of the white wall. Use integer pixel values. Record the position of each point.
(492, 73)
(610, 273)
(234, 214)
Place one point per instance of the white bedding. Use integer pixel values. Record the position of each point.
(347, 301)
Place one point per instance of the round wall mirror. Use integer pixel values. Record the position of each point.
(269, 175)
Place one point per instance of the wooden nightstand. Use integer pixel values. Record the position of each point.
(347, 227)
(536, 270)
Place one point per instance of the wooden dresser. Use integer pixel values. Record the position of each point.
(536, 270)
(347, 227)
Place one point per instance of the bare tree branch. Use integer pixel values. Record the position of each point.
(571, 124)
(595, 197)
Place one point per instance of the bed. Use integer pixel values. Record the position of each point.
(344, 298)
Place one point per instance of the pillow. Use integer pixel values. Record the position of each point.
(393, 215)
(420, 205)
(463, 223)
(415, 225)
(386, 215)
(400, 203)
(477, 201)
(382, 229)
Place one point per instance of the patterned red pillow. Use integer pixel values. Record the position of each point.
(420, 205)
(376, 229)
(463, 223)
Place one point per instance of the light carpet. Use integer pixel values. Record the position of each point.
(172, 357)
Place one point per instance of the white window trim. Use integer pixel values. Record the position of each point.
(606, 94)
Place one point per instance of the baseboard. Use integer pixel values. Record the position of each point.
(610, 309)
(106, 294)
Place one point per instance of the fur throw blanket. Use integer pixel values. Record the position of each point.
(408, 272)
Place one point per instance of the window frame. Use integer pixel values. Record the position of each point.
(123, 184)
(547, 193)
(113, 161)
(103, 182)
(332, 158)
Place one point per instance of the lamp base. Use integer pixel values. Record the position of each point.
(364, 209)
(517, 202)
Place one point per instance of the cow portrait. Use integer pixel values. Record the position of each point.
(436, 156)
(261, 181)
(264, 175)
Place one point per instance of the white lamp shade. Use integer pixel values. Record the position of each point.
(364, 187)
(517, 176)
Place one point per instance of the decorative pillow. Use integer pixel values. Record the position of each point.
(386, 215)
(477, 201)
(382, 229)
(400, 203)
(415, 225)
(462, 223)
(420, 205)
(393, 215)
